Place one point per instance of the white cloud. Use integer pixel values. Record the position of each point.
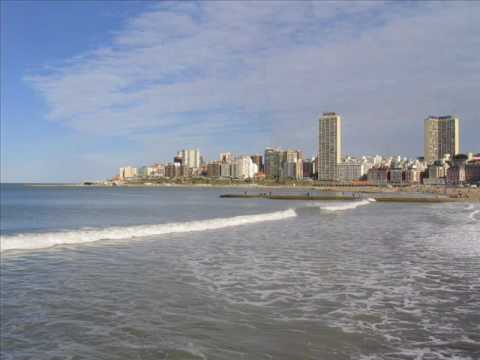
(189, 69)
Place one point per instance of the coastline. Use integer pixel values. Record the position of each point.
(418, 191)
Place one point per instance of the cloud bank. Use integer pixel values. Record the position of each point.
(245, 75)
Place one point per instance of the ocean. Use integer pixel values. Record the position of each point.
(179, 273)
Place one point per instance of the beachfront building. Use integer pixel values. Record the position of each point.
(177, 170)
(455, 175)
(190, 158)
(172, 170)
(413, 175)
(315, 167)
(292, 169)
(272, 163)
(291, 164)
(352, 169)
(456, 172)
(226, 157)
(258, 159)
(396, 176)
(127, 172)
(214, 169)
(436, 173)
(178, 158)
(308, 168)
(442, 136)
(437, 170)
(145, 171)
(472, 171)
(378, 176)
(244, 168)
(329, 146)
(158, 170)
(226, 170)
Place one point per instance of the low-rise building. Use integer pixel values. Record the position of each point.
(349, 171)
(437, 170)
(413, 176)
(455, 175)
(456, 172)
(396, 176)
(472, 172)
(378, 176)
(434, 181)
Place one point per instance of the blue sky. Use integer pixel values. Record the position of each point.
(87, 87)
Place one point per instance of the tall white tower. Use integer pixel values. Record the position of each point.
(442, 136)
(329, 146)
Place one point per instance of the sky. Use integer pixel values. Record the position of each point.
(88, 87)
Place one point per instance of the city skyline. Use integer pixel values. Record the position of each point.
(146, 79)
(441, 141)
(442, 163)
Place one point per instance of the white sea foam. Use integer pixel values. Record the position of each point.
(473, 214)
(346, 206)
(44, 240)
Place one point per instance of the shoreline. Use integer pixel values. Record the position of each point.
(392, 199)
(459, 194)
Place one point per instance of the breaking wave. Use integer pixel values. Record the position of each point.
(44, 240)
(473, 214)
(347, 206)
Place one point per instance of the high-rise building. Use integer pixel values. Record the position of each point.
(308, 168)
(226, 169)
(214, 169)
(282, 164)
(190, 158)
(291, 164)
(329, 145)
(442, 136)
(145, 171)
(258, 159)
(244, 168)
(226, 157)
(272, 162)
(159, 170)
(127, 172)
(179, 158)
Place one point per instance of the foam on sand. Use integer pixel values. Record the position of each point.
(44, 240)
(346, 206)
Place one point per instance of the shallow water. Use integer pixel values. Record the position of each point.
(315, 281)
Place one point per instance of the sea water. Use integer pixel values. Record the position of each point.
(179, 273)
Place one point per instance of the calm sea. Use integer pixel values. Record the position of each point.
(178, 273)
